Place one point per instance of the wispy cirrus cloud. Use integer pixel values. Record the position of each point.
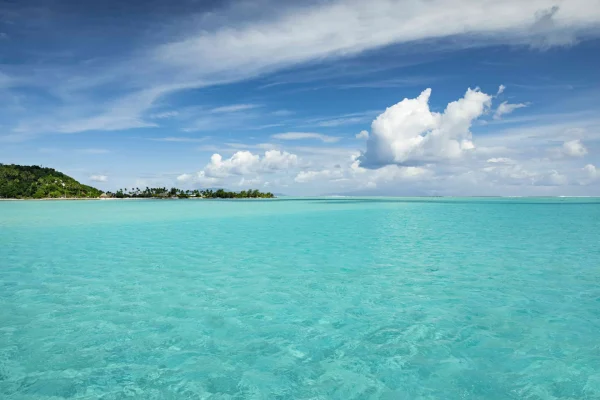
(342, 120)
(390, 83)
(233, 116)
(283, 113)
(265, 126)
(305, 136)
(180, 139)
(164, 115)
(255, 48)
(260, 146)
(235, 48)
(233, 108)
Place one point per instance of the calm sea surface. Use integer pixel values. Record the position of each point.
(300, 299)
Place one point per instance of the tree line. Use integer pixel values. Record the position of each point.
(163, 192)
(36, 182)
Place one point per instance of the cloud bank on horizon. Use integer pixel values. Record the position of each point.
(284, 98)
(408, 143)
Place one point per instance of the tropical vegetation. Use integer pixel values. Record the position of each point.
(163, 192)
(35, 182)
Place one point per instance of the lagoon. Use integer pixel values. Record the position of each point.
(324, 298)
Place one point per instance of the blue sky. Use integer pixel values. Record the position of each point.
(408, 97)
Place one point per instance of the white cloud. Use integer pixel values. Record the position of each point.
(342, 28)
(574, 148)
(389, 83)
(506, 108)
(241, 163)
(233, 108)
(587, 175)
(467, 145)
(553, 178)
(205, 180)
(351, 174)
(232, 117)
(244, 182)
(246, 163)
(510, 174)
(362, 135)
(228, 49)
(199, 177)
(501, 160)
(180, 139)
(274, 160)
(332, 123)
(548, 129)
(501, 90)
(308, 176)
(305, 135)
(591, 171)
(282, 113)
(124, 113)
(544, 32)
(265, 126)
(513, 173)
(258, 146)
(501, 171)
(409, 133)
(391, 173)
(99, 178)
(324, 151)
(164, 115)
(185, 178)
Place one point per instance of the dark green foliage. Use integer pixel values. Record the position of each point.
(26, 182)
(249, 194)
(184, 194)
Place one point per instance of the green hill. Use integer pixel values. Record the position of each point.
(33, 182)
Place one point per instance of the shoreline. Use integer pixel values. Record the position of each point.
(306, 197)
(90, 198)
(67, 199)
(134, 198)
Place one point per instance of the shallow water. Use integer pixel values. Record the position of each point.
(300, 299)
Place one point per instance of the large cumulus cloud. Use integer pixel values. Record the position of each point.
(409, 133)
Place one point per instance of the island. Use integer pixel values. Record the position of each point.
(36, 182)
(174, 193)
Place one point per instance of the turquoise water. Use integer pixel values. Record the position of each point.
(300, 299)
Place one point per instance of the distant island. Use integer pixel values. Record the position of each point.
(184, 194)
(35, 182)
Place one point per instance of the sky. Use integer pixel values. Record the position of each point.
(305, 98)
